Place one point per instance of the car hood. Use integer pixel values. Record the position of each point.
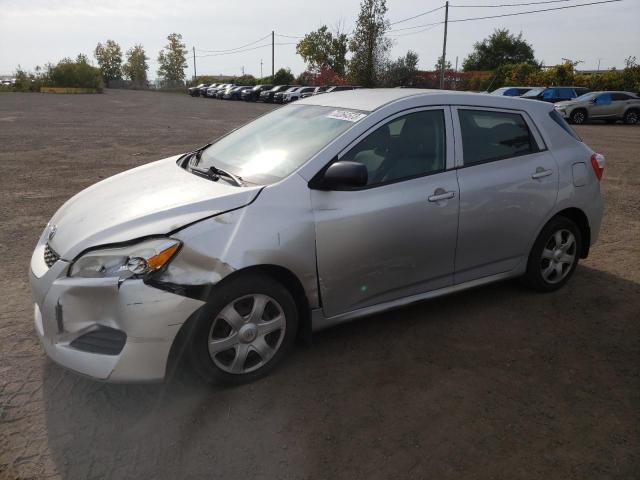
(153, 199)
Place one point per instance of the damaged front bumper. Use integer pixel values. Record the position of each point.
(105, 328)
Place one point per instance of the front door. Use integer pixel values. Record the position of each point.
(396, 236)
(508, 186)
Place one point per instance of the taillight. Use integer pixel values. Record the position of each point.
(597, 162)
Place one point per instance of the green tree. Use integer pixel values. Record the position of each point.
(438, 66)
(401, 72)
(136, 66)
(369, 46)
(500, 48)
(322, 49)
(109, 57)
(173, 60)
(283, 77)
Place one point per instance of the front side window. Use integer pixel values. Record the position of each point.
(276, 144)
(566, 93)
(488, 136)
(409, 146)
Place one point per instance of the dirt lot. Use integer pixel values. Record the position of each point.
(497, 382)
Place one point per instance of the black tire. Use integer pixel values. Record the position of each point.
(235, 288)
(578, 116)
(632, 117)
(534, 277)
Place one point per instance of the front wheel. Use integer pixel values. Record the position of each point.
(554, 256)
(246, 328)
(578, 116)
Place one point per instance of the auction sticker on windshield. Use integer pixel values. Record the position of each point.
(346, 115)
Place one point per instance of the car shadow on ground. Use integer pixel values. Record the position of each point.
(497, 381)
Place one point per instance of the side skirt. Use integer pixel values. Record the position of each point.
(320, 322)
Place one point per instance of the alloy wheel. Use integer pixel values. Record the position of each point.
(578, 117)
(631, 118)
(246, 333)
(558, 256)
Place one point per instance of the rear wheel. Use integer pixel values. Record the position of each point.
(554, 256)
(578, 116)
(632, 117)
(246, 328)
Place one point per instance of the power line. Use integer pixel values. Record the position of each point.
(415, 33)
(288, 36)
(245, 50)
(507, 4)
(506, 14)
(533, 11)
(236, 48)
(420, 15)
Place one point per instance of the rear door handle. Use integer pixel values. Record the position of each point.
(440, 195)
(541, 173)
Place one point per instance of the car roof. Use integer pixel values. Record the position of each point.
(371, 99)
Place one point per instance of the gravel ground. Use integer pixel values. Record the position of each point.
(497, 382)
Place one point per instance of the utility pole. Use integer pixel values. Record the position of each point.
(273, 49)
(260, 68)
(455, 82)
(599, 63)
(444, 44)
(243, 70)
(195, 73)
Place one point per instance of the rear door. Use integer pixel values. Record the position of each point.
(508, 185)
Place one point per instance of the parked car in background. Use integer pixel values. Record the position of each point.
(234, 93)
(267, 95)
(610, 106)
(279, 97)
(253, 95)
(221, 92)
(235, 248)
(316, 91)
(204, 88)
(511, 91)
(195, 91)
(213, 91)
(555, 94)
(298, 93)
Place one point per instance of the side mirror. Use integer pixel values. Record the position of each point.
(341, 176)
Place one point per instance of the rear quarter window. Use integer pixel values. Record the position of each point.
(556, 117)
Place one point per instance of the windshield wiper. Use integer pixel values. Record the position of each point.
(215, 174)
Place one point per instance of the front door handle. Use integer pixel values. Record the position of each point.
(541, 173)
(440, 195)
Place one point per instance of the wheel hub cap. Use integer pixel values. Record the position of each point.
(248, 333)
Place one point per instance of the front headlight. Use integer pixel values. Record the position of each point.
(125, 262)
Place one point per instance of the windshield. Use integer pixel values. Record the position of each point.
(586, 97)
(273, 146)
(534, 92)
(499, 91)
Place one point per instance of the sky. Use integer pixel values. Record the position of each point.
(34, 32)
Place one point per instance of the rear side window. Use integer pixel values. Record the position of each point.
(620, 97)
(556, 117)
(488, 136)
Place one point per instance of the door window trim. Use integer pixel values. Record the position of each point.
(449, 147)
(533, 131)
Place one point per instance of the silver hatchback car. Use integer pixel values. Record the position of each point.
(333, 208)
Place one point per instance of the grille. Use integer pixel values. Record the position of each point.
(50, 257)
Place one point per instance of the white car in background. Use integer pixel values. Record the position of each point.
(293, 95)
